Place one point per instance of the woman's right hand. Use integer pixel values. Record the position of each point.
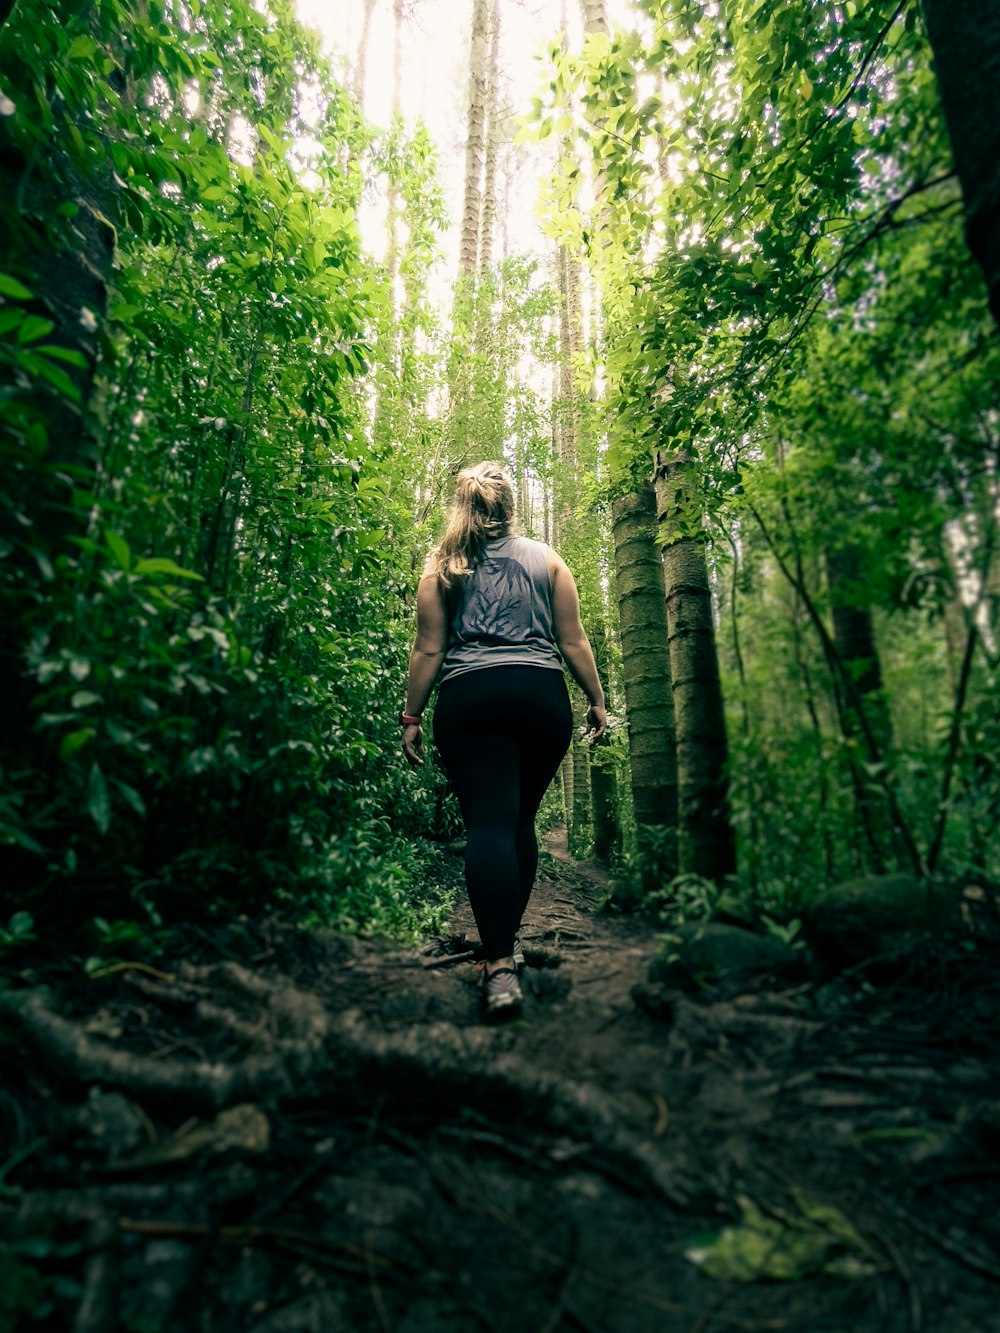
(413, 745)
(597, 722)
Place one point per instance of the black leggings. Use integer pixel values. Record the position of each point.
(501, 733)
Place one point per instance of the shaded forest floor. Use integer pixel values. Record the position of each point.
(290, 1133)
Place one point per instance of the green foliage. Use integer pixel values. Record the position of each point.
(791, 317)
(20, 929)
(207, 596)
(786, 1245)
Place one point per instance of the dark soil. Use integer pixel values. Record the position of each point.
(560, 1172)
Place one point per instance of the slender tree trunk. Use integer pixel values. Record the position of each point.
(854, 635)
(604, 796)
(646, 669)
(707, 844)
(566, 782)
(965, 37)
(568, 533)
(854, 639)
(582, 801)
(361, 63)
(487, 221)
(603, 774)
(812, 710)
(595, 16)
(475, 125)
(392, 192)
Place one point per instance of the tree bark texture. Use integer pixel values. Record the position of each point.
(361, 64)
(568, 533)
(854, 635)
(965, 37)
(487, 220)
(580, 825)
(392, 192)
(595, 16)
(707, 844)
(475, 126)
(645, 662)
(604, 799)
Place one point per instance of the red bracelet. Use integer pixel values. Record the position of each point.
(407, 721)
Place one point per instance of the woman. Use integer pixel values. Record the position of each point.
(497, 615)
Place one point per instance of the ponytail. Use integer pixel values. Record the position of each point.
(483, 508)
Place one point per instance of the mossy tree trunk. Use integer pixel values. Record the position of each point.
(646, 673)
(572, 534)
(707, 843)
(965, 37)
(854, 639)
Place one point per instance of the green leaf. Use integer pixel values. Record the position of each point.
(55, 375)
(67, 354)
(161, 565)
(84, 699)
(81, 48)
(98, 799)
(12, 288)
(119, 548)
(76, 740)
(34, 327)
(132, 797)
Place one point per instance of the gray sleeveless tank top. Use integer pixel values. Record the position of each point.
(503, 614)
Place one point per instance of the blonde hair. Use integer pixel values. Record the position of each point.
(483, 507)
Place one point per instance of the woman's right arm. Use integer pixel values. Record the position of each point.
(572, 642)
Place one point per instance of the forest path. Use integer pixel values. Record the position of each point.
(288, 1133)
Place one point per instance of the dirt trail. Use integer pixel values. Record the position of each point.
(316, 1133)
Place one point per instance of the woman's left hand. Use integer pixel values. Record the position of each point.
(413, 745)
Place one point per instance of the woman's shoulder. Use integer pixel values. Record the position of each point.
(531, 544)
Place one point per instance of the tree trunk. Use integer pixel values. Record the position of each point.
(361, 64)
(566, 782)
(475, 124)
(854, 639)
(707, 844)
(567, 529)
(965, 37)
(604, 797)
(646, 667)
(487, 221)
(392, 192)
(595, 16)
(854, 635)
(580, 754)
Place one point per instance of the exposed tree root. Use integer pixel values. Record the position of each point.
(69, 1050)
(319, 1054)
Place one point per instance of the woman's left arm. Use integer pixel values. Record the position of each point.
(426, 657)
